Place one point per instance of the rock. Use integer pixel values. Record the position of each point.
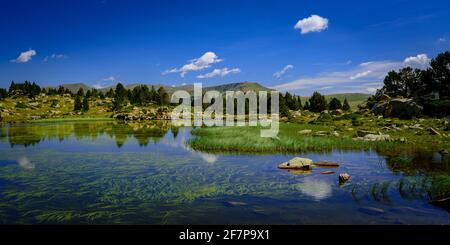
(334, 133)
(362, 106)
(398, 107)
(337, 112)
(344, 177)
(297, 163)
(433, 131)
(328, 172)
(305, 131)
(296, 113)
(442, 203)
(235, 204)
(385, 97)
(321, 133)
(443, 152)
(371, 210)
(326, 164)
(416, 126)
(377, 137)
(362, 133)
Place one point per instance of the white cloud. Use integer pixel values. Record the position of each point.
(55, 56)
(420, 60)
(360, 75)
(442, 39)
(205, 61)
(106, 82)
(358, 78)
(314, 23)
(220, 72)
(109, 79)
(24, 57)
(279, 74)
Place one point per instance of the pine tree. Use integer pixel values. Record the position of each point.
(85, 104)
(78, 105)
(335, 104)
(80, 92)
(346, 106)
(317, 102)
(3, 93)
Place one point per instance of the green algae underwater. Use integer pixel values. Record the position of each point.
(111, 172)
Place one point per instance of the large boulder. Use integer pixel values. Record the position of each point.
(397, 107)
(297, 163)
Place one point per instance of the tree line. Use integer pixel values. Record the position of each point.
(121, 96)
(429, 87)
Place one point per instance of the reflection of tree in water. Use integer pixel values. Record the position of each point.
(426, 175)
(143, 132)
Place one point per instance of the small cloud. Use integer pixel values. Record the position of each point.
(360, 75)
(420, 60)
(314, 23)
(24, 57)
(205, 61)
(55, 56)
(442, 39)
(220, 72)
(106, 82)
(109, 79)
(279, 74)
(183, 84)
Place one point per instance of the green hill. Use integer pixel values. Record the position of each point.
(354, 99)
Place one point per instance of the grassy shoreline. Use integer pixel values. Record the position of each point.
(247, 140)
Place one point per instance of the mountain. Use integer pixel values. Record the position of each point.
(73, 87)
(244, 86)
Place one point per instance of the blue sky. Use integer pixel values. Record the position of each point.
(297, 46)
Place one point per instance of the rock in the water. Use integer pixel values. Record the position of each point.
(297, 163)
(328, 172)
(344, 177)
(397, 107)
(326, 164)
(433, 131)
(442, 203)
(371, 210)
(235, 204)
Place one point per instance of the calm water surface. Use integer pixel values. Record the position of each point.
(144, 173)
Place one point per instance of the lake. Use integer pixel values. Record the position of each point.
(145, 173)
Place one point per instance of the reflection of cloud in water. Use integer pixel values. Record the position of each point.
(179, 142)
(317, 189)
(25, 163)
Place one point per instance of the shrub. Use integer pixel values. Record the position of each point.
(21, 105)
